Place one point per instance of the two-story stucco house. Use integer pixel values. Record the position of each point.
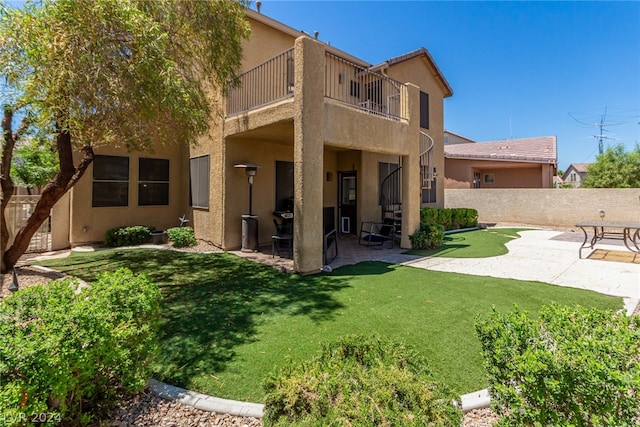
(323, 128)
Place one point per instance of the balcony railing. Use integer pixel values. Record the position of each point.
(355, 85)
(270, 81)
(345, 82)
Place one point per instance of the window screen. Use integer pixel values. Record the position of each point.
(199, 181)
(110, 181)
(153, 182)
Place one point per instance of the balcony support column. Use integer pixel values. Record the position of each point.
(411, 191)
(308, 108)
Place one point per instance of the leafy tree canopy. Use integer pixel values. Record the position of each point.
(35, 163)
(125, 73)
(615, 168)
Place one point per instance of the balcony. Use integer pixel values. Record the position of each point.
(345, 83)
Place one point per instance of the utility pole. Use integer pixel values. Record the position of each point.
(601, 126)
(601, 137)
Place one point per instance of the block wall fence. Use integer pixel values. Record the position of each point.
(561, 207)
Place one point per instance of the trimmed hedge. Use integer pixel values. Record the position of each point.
(428, 236)
(127, 236)
(450, 218)
(569, 367)
(182, 237)
(359, 381)
(70, 354)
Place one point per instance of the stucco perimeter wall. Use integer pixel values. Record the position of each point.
(548, 207)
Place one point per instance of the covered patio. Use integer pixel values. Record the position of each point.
(350, 252)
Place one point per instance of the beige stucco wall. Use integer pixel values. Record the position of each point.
(88, 224)
(264, 43)
(237, 187)
(60, 223)
(563, 207)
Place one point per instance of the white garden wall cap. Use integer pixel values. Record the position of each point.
(477, 400)
(206, 403)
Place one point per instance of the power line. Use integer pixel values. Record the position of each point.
(601, 124)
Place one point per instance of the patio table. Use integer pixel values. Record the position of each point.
(629, 232)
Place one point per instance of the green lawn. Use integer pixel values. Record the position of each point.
(227, 322)
(473, 244)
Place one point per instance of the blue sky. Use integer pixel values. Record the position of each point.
(517, 69)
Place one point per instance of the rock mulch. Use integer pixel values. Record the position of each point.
(147, 410)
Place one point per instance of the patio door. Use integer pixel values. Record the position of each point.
(347, 203)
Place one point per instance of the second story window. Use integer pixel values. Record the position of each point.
(424, 110)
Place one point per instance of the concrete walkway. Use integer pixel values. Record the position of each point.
(537, 256)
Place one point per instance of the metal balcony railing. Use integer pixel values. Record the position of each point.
(268, 82)
(345, 82)
(426, 160)
(372, 92)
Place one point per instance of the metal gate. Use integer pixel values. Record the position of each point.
(18, 211)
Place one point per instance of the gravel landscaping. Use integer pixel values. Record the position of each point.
(147, 410)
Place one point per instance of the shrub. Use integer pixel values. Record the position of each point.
(126, 236)
(450, 218)
(428, 236)
(70, 354)
(569, 367)
(359, 381)
(182, 236)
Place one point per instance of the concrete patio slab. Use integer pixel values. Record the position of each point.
(536, 256)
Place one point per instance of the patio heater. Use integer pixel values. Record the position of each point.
(250, 221)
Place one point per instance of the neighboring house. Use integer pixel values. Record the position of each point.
(451, 138)
(337, 141)
(575, 174)
(512, 163)
(557, 181)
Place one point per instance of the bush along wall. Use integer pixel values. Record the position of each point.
(568, 367)
(69, 355)
(450, 218)
(182, 237)
(428, 236)
(127, 236)
(359, 381)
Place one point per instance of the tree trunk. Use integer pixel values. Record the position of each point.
(6, 184)
(52, 192)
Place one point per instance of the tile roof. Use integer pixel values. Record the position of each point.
(579, 167)
(541, 149)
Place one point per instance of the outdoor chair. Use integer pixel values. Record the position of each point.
(377, 233)
(282, 237)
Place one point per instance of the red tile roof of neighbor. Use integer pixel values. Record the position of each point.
(540, 149)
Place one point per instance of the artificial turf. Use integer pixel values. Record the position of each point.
(473, 244)
(228, 322)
